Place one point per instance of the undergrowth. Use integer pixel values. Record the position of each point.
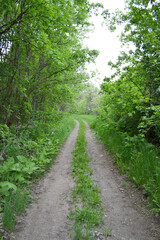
(26, 154)
(136, 157)
(15, 203)
(89, 214)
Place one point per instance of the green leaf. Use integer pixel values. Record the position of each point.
(6, 187)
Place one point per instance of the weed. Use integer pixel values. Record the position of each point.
(14, 204)
(20, 201)
(8, 218)
(107, 232)
(78, 232)
(125, 185)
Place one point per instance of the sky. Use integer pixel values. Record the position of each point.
(105, 41)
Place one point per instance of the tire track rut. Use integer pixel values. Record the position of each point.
(119, 205)
(46, 219)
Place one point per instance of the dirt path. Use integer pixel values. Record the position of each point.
(120, 206)
(46, 219)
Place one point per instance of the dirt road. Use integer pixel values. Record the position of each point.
(47, 219)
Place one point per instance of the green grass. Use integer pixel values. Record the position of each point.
(88, 118)
(63, 129)
(14, 204)
(90, 214)
(133, 155)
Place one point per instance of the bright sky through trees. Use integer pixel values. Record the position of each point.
(103, 40)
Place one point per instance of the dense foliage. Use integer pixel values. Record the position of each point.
(42, 58)
(42, 68)
(131, 103)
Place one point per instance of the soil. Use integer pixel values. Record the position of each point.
(125, 210)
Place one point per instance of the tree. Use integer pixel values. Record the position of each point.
(87, 100)
(132, 101)
(41, 55)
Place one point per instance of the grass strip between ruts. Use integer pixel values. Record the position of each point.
(87, 213)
